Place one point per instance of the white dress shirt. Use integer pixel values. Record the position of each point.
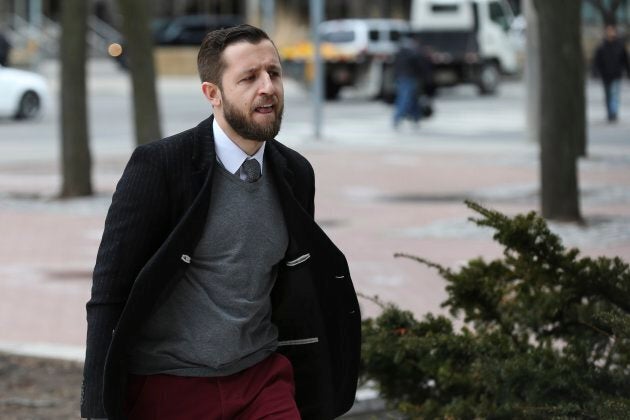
(230, 155)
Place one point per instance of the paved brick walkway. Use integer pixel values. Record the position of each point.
(378, 192)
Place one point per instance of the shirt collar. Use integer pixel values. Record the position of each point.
(229, 154)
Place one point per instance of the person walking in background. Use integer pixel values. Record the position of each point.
(410, 72)
(5, 50)
(215, 294)
(611, 58)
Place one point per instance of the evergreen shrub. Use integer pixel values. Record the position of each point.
(546, 334)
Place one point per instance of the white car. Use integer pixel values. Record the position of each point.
(23, 94)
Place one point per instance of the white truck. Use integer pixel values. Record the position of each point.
(469, 41)
(356, 52)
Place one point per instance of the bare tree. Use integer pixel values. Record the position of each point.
(137, 31)
(562, 106)
(532, 70)
(76, 160)
(609, 12)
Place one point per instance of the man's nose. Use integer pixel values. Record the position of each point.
(266, 84)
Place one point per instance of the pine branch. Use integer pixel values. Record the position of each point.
(374, 299)
(441, 269)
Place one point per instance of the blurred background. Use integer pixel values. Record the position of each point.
(496, 128)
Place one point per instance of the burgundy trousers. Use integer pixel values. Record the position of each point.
(264, 391)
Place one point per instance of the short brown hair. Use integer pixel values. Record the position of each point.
(210, 63)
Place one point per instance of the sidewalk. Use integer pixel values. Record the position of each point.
(378, 192)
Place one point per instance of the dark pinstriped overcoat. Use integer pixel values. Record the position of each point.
(152, 228)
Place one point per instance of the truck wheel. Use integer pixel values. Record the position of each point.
(488, 79)
(388, 85)
(29, 106)
(388, 97)
(331, 90)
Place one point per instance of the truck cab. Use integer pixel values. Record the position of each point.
(364, 47)
(468, 41)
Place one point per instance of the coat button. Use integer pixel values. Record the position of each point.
(186, 258)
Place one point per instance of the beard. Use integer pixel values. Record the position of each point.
(245, 126)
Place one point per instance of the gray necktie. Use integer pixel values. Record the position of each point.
(251, 169)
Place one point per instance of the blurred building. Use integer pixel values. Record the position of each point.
(32, 25)
(251, 9)
(290, 15)
(107, 9)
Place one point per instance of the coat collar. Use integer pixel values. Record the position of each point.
(298, 221)
(279, 164)
(204, 155)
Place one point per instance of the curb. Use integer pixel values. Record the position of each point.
(44, 350)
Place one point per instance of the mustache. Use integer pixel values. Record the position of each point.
(270, 100)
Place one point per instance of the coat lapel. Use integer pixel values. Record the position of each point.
(297, 219)
(204, 155)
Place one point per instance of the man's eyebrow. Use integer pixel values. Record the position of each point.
(247, 71)
(273, 67)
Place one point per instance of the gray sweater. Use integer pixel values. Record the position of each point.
(217, 320)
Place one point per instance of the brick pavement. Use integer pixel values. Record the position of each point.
(378, 192)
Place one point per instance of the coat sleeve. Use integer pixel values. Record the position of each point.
(626, 61)
(596, 64)
(135, 226)
(310, 206)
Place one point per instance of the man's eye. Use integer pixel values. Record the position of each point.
(248, 78)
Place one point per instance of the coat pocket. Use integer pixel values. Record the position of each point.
(299, 260)
(298, 342)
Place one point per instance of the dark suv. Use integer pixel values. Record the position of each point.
(191, 29)
(188, 30)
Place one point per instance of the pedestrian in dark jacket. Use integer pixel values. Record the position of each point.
(215, 294)
(411, 72)
(5, 49)
(611, 59)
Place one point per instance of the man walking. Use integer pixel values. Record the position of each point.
(215, 294)
(611, 59)
(5, 50)
(412, 74)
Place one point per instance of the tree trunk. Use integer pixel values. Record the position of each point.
(137, 32)
(76, 161)
(532, 71)
(252, 12)
(562, 107)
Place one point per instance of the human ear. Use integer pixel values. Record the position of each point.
(212, 93)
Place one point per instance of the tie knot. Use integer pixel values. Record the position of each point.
(251, 169)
